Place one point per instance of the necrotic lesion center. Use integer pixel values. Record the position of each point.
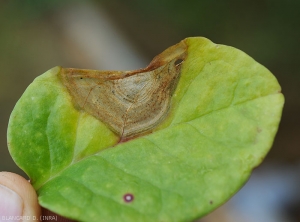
(130, 103)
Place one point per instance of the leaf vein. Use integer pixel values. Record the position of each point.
(223, 108)
(102, 195)
(138, 177)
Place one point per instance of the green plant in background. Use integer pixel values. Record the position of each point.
(212, 123)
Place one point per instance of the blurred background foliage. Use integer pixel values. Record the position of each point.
(37, 35)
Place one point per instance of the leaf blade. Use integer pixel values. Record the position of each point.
(225, 114)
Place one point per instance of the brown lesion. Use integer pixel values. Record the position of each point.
(131, 103)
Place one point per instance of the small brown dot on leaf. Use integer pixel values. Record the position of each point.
(128, 197)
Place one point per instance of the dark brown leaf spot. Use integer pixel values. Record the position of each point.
(128, 198)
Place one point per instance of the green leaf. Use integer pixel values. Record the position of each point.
(224, 115)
